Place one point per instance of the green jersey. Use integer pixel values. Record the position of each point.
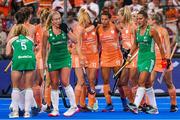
(146, 55)
(59, 56)
(23, 53)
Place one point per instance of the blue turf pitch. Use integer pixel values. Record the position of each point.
(163, 105)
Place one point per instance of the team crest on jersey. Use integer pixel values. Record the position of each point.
(145, 39)
(50, 35)
(127, 31)
(112, 31)
(93, 33)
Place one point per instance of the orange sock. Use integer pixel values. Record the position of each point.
(37, 95)
(83, 96)
(78, 90)
(172, 94)
(106, 89)
(47, 95)
(91, 100)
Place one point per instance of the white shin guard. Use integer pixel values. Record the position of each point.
(71, 96)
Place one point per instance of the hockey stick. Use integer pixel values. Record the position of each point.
(5, 92)
(6, 70)
(90, 91)
(117, 74)
(63, 96)
(165, 69)
(44, 87)
(7, 67)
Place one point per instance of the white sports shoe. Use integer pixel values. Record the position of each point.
(71, 111)
(14, 114)
(54, 113)
(27, 115)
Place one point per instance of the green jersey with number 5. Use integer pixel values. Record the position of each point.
(23, 53)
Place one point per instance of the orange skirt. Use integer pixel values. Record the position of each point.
(112, 59)
(92, 61)
(158, 66)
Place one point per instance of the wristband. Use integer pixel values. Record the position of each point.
(129, 55)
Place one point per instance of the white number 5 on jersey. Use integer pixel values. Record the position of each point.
(23, 46)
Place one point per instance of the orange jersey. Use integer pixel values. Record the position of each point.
(88, 47)
(158, 66)
(89, 42)
(76, 28)
(127, 37)
(111, 55)
(38, 40)
(127, 42)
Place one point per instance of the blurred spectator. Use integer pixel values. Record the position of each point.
(33, 4)
(59, 5)
(92, 9)
(135, 6)
(5, 7)
(44, 4)
(108, 6)
(16, 5)
(144, 3)
(118, 5)
(171, 15)
(154, 7)
(77, 3)
(176, 3)
(3, 37)
(100, 4)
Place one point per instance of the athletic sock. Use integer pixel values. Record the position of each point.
(55, 99)
(28, 99)
(151, 96)
(139, 95)
(15, 99)
(71, 96)
(22, 100)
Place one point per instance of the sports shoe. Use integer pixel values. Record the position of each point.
(71, 111)
(35, 111)
(83, 109)
(108, 108)
(21, 112)
(14, 114)
(54, 113)
(132, 107)
(174, 108)
(27, 115)
(151, 110)
(48, 109)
